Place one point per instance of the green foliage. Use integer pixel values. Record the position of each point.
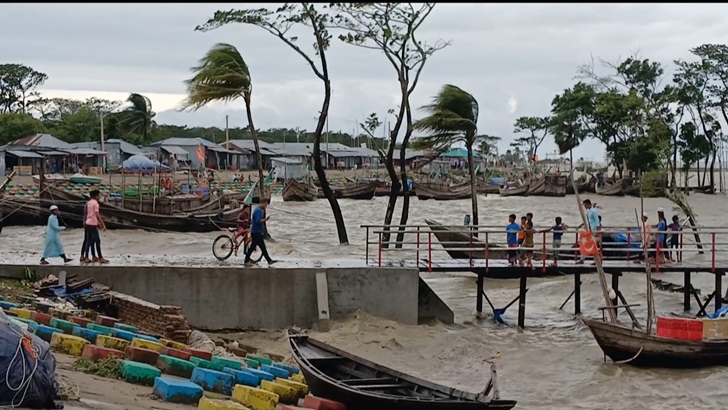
(18, 85)
(222, 75)
(536, 128)
(14, 125)
(109, 368)
(452, 117)
(138, 118)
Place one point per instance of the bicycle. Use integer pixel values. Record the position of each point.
(224, 246)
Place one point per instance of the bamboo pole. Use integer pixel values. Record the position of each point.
(123, 186)
(154, 194)
(597, 258)
(139, 190)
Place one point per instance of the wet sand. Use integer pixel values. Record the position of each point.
(553, 364)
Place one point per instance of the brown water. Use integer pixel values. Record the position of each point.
(553, 364)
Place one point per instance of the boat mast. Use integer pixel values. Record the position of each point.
(597, 259)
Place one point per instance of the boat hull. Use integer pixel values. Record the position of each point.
(441, 192)
(295, 191)
(622, 343)
(517, 191)
(613, 189)
(362, 385)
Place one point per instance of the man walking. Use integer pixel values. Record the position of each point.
(257, 233)
(92, 223)
(53, 247)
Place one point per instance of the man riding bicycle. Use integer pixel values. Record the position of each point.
(243, 222)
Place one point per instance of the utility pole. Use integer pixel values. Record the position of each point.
(227, 134)
(298, 135)
(101, 114)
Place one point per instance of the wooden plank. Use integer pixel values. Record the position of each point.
(322, 298)
(384, 386)
(383, 380)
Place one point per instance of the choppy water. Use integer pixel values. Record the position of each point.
(553, 364)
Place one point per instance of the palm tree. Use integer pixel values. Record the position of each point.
(138, 118)
(223, 75)
(452, 117)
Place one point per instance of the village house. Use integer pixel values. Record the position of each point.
(28, 155)
(195, 153)
(117, 151)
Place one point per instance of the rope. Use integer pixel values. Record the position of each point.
(629, 360)
(27, 378)
(315, 218)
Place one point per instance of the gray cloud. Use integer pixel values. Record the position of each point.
(527, 52)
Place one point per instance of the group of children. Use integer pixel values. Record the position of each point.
(519, 237)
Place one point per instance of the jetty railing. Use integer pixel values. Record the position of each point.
(480, 242)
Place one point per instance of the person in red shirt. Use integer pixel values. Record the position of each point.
(243, 222)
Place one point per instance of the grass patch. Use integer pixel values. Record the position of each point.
(110, 368)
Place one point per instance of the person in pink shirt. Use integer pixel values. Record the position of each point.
(92, 222)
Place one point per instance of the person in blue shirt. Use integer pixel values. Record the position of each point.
(661, 236)
(558, 230)
(257, 233)
(512, 230)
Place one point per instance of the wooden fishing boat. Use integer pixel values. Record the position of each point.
(703, 189)
(622, 343)
(616, 188)
(359, 384)
(555, 185)
(441, 192)
(516, 191)
(357, 190)
(582, 184)
(50, 178)
(295, 191)
(115, 217)
(536, 186)
(485, 188)
(84, 179)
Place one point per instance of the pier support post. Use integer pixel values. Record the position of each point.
(718, 290)
(522, 299)
(615, 286)
(479, 297)
(687, 290)
(577, 293)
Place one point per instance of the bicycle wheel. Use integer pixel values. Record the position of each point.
(223, 247)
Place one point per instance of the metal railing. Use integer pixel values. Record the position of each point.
(486, 239)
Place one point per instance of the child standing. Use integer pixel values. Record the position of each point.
(521, 236)
(558, 230)
(675, 229)
(528, 243)
(512, 231)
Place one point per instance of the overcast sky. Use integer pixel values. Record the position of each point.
(512, 58)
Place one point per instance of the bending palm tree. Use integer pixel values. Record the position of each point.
(139, 117)
(223, 76)
(453, 117)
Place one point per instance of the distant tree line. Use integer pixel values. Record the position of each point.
(24, 112)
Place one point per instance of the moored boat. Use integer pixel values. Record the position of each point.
(555, 185)
(72, 207)
(295, 191)
(514, 191)
(357, 190)
(359, 384)
(441, 192)
(623, 343)
(536, 186)
(615, 188)
(84, 179)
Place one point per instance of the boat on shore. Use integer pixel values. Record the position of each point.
(83, 179)
(71, 207)
(296, 191)
(359, 384)
(623, 343)
(514, 191)
(442, 192)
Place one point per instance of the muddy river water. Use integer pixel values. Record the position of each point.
(553, 364)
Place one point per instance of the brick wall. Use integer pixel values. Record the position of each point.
(166, 321)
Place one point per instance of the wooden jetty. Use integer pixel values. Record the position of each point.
(420, 249)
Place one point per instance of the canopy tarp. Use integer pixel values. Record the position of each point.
(140, 162)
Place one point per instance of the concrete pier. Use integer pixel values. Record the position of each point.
(217, 298)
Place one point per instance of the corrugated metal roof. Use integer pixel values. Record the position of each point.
(126, 147)
(41, 140)
(293, 149)
(287, 160)
(185, 142)
(52, 153)
(175, 150)
(224, 150)
(24, 154)
(85, 151)
(249, 144)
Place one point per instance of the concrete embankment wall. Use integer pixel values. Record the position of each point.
(230, 298)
